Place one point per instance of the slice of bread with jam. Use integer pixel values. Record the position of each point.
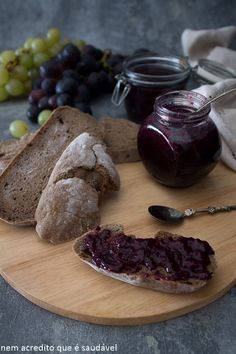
(167, 262)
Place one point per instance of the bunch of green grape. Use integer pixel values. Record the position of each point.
(20, 67)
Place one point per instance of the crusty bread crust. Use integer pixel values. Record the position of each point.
(120, 136)
(66, 210)
(167, 286)
(25, 169)
(22, 182)
(121, 150)
(10, 148)
(68, 206)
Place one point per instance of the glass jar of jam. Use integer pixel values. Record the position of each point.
(177, 144)
(144, 77)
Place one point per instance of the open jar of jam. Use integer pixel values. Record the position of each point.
(177, 144)
(144, 77)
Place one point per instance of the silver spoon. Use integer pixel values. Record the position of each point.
(215, 98)
(174, 216)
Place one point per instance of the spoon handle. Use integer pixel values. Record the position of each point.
(216, 98)
(209, 210)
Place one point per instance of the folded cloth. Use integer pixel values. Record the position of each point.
(223, 113)
(224, 56)
(212, 44)
(199, 44)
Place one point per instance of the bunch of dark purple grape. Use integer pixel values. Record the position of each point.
(73, 78)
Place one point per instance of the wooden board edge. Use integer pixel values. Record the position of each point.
(117, 321)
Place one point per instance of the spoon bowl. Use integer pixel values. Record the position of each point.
(173, 216)
(166, 214)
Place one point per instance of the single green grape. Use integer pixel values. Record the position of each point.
(40, 58)
(19, 51)
(43, 116)
(7, 55)
(65, 42)
(3, 93)
(80, 44)
(48, 45)
(18, 128)
(33, 73)
(28, 43)
(38, 45)
(4, 75)
(14, 87)
(50, 55)
(53, 36)
(26, 60)
(55, 49)
(20, 73)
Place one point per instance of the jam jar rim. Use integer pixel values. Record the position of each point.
(168, 115)
(135, 78)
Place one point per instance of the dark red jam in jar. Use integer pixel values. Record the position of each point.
(145, 77)
(178, 145)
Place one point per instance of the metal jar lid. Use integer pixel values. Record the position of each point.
(178, 67)
(205, 72)
(209, 72)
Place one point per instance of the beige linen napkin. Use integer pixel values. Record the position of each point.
(211, 44)
(202, 44)
(224, 56)
(223, 113)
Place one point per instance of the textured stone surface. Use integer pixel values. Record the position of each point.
(122, 25)
(209, 330)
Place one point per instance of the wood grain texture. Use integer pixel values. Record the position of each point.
(54, 278)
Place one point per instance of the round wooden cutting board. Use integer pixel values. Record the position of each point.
(54, 278)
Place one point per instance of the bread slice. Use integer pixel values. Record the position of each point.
(66, 210)
(22, 182)
(10, 148)
(145, 277)
(68, 206)
(120, 136)
(86, 158)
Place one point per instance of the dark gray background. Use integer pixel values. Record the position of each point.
(123, 26)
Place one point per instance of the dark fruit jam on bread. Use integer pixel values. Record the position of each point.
(164, 257)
